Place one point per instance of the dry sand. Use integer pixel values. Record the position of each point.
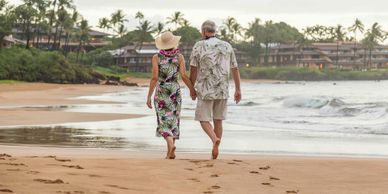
(71, 170)
(47, 170)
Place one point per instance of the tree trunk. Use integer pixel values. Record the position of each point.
(59, 40)
(51, 23)
(79, 49)
(266, 54)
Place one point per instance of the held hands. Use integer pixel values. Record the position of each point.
(193, 94)
(237, 96)
(149, 103)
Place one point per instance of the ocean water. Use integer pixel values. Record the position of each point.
(345, 118)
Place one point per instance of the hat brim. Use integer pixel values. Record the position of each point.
(173, 43)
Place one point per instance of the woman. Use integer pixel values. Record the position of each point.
(166, 66)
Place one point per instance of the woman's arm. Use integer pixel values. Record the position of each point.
(154, 79)
(185, 78)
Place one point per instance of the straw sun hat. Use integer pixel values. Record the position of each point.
(167, 41)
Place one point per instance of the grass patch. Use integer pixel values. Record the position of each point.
(120, 72)
(9, 81)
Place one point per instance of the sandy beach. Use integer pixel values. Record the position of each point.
(65, 170)
(33, 169)
(34, 95)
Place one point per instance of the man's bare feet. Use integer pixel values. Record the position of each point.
(215, 149)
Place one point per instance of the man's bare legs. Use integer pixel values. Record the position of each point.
(209, 130)
(218, 129)
(170, 147)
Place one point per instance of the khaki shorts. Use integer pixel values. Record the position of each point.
(209, 110)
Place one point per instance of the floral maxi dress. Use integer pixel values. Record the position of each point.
(168, 98)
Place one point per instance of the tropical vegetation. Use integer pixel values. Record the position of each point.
(60, 18)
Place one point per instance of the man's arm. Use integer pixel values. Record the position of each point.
(193, 77)
(237, 80)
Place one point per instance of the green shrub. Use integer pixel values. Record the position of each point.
(41, 66)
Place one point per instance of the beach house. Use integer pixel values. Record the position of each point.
(7, 42)
(342, 55)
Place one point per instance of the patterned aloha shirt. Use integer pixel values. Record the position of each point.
(213, 58)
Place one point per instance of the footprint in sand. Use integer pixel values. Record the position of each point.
(47, 181)
(216, 187)
(198, 161)
(104, 192)
(265, 167)
(118, 187)
(94, 176)
(14, 170)
(254, 172)
(62, 160)
(194, 179)
(13, 164)
(33, 172)
(232, 163)
(73, 166)
(273, 178)
(6, 191)
(207, 192)
(207, 166)
(214, 175)
(189, 169)
(237, 161)
(292, 191)
(268, 184)
(71, 192)
(5, 156)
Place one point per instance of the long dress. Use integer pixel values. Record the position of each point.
(168, 98)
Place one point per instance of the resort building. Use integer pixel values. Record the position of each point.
(7, 42)
(40, 40)
(344, 55)
(140, 59)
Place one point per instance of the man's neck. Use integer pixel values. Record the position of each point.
(209, 36)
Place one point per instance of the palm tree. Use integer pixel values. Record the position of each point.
(139, 15)
(159, 28)
(51, 19)
(6, 20)
(118, 18)
(104, 23)
(62, 6)
(25, 15)
(63, 17)
(176, 18)
(357, 26)
(145, 28)
(185, 23)
(40, 20)
(339, 35)
(229, 24)
(82, 35)
(373, 37)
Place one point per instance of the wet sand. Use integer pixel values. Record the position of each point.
(41, 95)
(29, 169)
(70, 170)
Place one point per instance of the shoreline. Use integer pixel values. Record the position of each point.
(20, 102)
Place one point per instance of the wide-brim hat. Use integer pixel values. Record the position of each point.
(167, 41)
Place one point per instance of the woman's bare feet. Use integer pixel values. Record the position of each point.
(172, 153)
(215, 149)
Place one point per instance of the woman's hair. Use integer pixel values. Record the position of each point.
(169, 49)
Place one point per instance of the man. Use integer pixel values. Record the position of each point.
(210, 64)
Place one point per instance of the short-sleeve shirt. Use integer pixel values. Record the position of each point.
(214, 58)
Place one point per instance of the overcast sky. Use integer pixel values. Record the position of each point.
(299, 13)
